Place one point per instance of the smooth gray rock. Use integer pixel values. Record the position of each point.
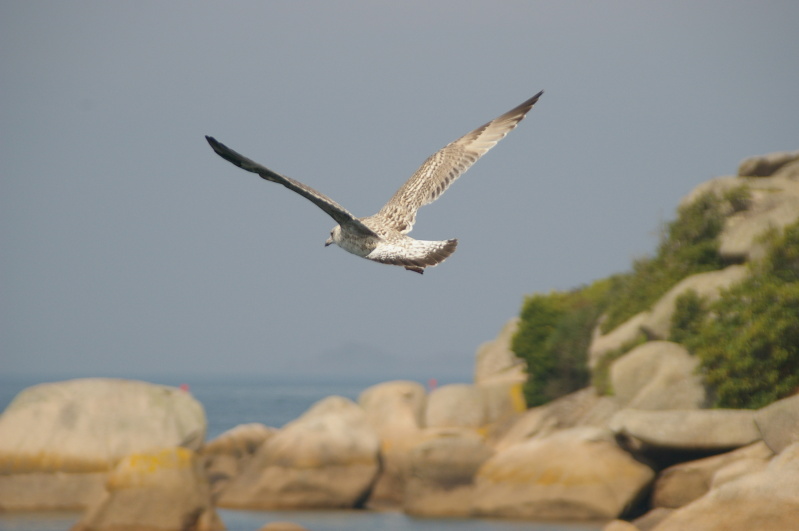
(779, 423)
(694, 430)
(327, 458)
(657, 375)
(495, 361)
(59, 440)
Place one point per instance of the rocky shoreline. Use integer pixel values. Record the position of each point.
(650, 457)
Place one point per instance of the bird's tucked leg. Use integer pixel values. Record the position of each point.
(415, 269)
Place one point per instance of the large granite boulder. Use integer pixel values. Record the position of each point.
(774, 204)
(496, 362)
(683, 483)
(657, 375)
(227, 455)
(766, 165)
(779, 423)
(579, 473)
(710, 430)
(473, 406)
(657, 323)
(455, 406)
(627, 333)
(164, 490)
(768, 499)
(58, 440)
(327, 458)
(441, 473)
(580, 408)
(395, 410)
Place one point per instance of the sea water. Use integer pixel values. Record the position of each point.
(229, 402)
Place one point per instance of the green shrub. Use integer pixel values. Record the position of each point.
(748, 340)
(689, 311)
(553, 337)
(689, 245)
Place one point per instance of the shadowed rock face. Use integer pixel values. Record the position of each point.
(681, 484)
(395, 410)
(768, 499)
(441, 474)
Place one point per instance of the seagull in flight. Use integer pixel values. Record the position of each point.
(383, 236)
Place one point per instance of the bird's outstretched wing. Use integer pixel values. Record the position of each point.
(333, 209)
(441, 169)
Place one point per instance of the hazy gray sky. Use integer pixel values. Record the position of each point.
(127, 247)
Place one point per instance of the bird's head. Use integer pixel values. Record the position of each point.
(335, 235)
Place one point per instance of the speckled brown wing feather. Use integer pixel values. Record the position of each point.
(333, 209)
(442, 168)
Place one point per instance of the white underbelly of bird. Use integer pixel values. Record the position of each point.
(382, 237)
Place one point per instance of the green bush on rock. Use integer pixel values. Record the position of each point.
(553, 336)
(689, 245)
(748, 340)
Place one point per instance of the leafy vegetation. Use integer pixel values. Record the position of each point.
(553, 337)
(555, 329)
(689, 245)
(748, 340)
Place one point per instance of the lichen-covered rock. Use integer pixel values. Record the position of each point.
(157, 491)
(768, 499)
(395, 410)
(657, 375)
(579, 473)
(327, 458)
(441, 474)
(58, 440)
(50, 491)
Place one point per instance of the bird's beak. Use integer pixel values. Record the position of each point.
(328, 241)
